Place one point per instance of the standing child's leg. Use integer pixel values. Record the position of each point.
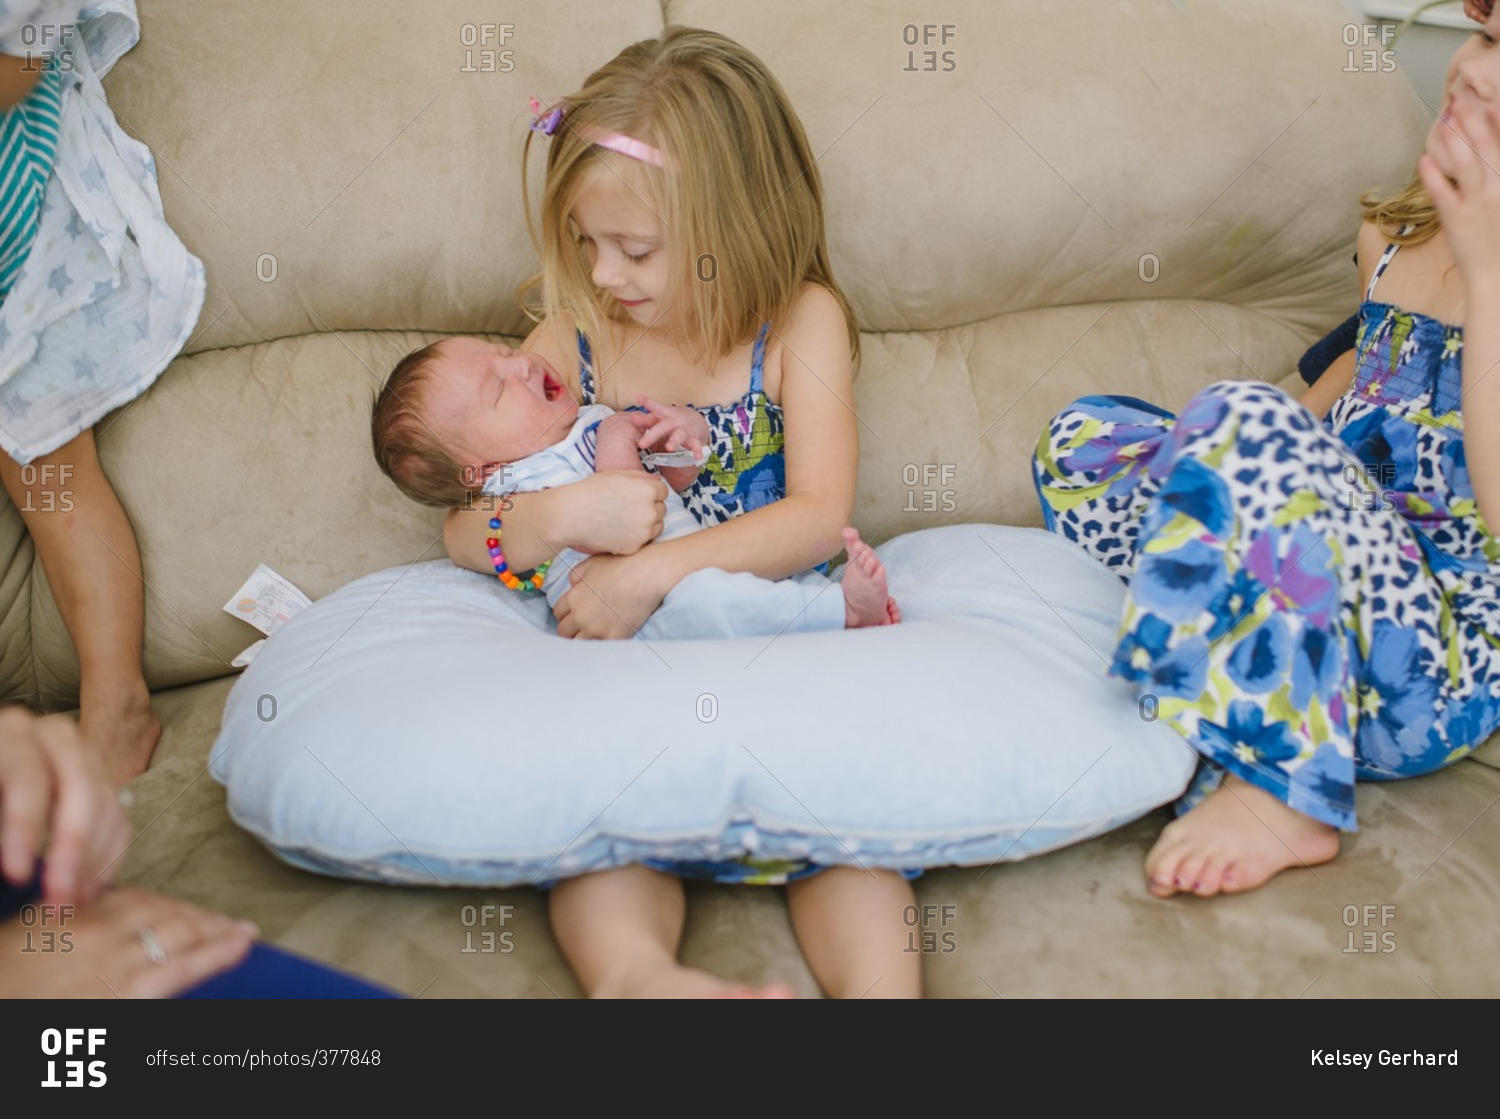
(851, 925)
(93, 567)
(620, 930)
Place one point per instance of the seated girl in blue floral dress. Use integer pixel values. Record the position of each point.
(1314, 588)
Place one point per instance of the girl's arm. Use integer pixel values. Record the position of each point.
(1459, 174)
(617, 512)
(612, 595)
(1322, 393)
(611, 511)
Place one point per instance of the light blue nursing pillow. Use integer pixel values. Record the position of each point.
(425, 726)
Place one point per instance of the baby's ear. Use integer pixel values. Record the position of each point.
(482, 472)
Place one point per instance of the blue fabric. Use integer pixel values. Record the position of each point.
(1328, 349)
(746, 467)
(266, 973)
(270, 973)
(12, 898)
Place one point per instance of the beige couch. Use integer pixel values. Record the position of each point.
(1137, 197)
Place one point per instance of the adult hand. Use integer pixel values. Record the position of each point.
(129, 943)
(614, 511)
(52, 792)
(610, 596)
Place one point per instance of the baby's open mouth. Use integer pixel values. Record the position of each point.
(550, 386)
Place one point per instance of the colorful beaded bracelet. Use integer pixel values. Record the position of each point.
(529, 585)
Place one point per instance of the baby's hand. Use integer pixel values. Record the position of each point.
(1461, 170)
(665, 428)
(1479, 10)
(616, 449)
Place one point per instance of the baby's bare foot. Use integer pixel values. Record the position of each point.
(673, 981)
(866, 600)
(1238, 838)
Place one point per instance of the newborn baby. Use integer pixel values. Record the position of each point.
(463, 409)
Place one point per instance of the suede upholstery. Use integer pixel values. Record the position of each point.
(1137, 197)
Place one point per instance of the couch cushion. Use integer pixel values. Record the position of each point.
(366, 148)
(1224, 138)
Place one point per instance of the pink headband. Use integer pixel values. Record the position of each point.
(629, 145)
(549, 122)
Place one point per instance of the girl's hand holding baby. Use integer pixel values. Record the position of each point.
(613, 511)
(1461, 170)
(612, 596)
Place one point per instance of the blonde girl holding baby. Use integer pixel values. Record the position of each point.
(685, 262)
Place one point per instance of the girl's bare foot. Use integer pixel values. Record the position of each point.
(1237, 838)
(673, 981)
(122, 729)
(867, 601)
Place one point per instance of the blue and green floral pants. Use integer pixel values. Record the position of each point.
(1291, 624)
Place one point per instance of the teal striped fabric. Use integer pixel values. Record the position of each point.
(28, 142)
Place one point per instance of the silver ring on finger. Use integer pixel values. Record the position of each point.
(150, 945)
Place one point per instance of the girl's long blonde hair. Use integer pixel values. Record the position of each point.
(740, 196)
(1393, 213)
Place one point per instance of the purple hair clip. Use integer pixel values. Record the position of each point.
(546, 123)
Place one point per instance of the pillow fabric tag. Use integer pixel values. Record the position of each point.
(267, 601)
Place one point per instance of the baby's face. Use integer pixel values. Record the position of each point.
(491, 404)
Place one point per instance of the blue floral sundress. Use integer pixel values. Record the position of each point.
(746, 465)
(1309, 601)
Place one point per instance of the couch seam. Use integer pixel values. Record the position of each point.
(31, 618)
(1250, 307)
